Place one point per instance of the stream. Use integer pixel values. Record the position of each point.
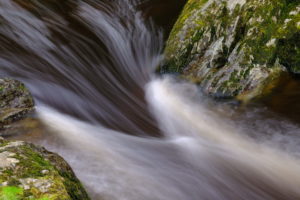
(132, 134)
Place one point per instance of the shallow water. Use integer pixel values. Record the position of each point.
(127, 133)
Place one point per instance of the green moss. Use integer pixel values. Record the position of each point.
(216, 80)
(178, 64)
(188, 10)
(36, 165)
(11, 193)
(57, 191)
(247, 71)
(3, 143)
(22, 87)
(71, 183)
(255, 34)
(272, 16)
(289, 52)
(33, 165)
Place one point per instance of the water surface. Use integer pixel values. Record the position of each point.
(128, 133)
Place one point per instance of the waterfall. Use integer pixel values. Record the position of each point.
(128, 133)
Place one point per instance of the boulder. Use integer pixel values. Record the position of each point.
(235, 48)
(15, 101)
(31, 172)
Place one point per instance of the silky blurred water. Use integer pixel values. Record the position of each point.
(127, 132)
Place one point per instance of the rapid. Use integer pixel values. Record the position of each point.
(127, 132)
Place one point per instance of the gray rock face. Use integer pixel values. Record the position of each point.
(15, 101)
(31, 172)
(235, 48)
(28, 171)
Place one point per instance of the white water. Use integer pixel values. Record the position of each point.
(200, 158)
(97, 94)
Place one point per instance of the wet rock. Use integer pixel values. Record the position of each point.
(15, 101)
(31, 172)
(235, 48)
(28, 127)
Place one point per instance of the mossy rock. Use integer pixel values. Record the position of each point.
(31, 172)
(235, 48)
(15, 101)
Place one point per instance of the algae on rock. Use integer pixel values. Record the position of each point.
(31, 172)
(235, 48)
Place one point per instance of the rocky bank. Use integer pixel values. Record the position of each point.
(31, 172)
(235, 48)
(28, 171)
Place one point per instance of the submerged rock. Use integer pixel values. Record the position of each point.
(15, 101)
(31, 172)
(235, 48)
(29, 127)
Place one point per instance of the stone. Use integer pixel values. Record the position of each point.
(31, 172)
(15, 102)
(235, 49)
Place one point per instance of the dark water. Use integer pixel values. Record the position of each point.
(285, 99)
(61, 37)
(129, 134)
(163, 12)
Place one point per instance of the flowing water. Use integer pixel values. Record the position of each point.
(128, 133)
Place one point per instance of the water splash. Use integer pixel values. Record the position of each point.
(201, 156)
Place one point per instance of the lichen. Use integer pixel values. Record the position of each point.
(236, 38)
(36, 173)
